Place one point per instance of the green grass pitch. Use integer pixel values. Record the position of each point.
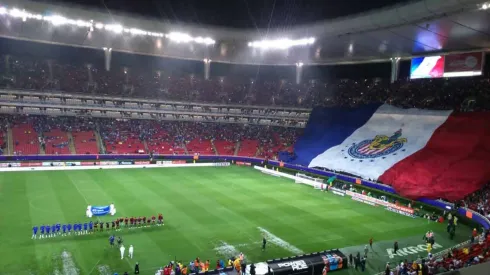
(209, 212)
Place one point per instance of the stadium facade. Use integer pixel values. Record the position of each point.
(404, 31)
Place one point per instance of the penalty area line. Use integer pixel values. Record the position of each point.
(93, 268)
(280, 242)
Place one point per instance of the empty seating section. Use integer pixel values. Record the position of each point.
(248, 148)
(162, 139)
(278, 142)
(225, 147)
(85, 142)
(57, 142)
(122, 137)
(144, 136)
(200, 146)
(26, 140)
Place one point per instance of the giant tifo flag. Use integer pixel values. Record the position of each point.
(421, 153)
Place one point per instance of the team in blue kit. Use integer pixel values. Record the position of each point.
(58, 229)
(34, 232)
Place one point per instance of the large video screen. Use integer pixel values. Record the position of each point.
(427, 67)
(465, 64)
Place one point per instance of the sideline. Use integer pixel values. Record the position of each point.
(97, 167)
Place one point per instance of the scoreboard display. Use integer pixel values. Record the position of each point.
(453, 65)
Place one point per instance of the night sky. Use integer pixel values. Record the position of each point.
(244, 14)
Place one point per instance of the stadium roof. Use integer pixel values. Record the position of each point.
(417, 28)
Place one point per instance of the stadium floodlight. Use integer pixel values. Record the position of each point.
(179, 37)
(116, 28)
(204, 40)
(56, 20)
(137, 31)
(485, 6)
(281, 44)
(17, 13)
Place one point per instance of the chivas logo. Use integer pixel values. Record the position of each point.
(380, 146)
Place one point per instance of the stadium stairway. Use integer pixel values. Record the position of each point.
(257, 153)
(214, 147)
(225, 147)
(42, 151)
(145, 144)
(10, 141)
(237, 148)
(85, 142)
(100, 143)
(71, 146)
(185, 148)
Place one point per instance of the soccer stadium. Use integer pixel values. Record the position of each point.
(244, 137)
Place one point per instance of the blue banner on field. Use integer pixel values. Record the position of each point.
(100, 210)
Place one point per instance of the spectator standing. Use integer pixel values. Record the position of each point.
(252, 269)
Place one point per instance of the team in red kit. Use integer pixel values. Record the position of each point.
(129, 222)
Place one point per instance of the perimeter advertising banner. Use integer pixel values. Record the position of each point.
(403, 210)
(465, 64)
(309, 264)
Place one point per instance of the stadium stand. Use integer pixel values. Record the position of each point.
(479, 201)
(122, 137)
(56, 142)
(163, 138)
(30, 73)
(347, 105)
(26, 139)
(466, 256)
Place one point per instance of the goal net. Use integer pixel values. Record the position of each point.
(305, 179)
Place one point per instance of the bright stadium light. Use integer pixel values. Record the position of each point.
(179, 37)
(114, 28)
(17, 13)
(58, 20)
(137, 31)
(281, 44)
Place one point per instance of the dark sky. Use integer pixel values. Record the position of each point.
(238, 13)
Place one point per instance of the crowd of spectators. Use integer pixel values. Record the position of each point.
(467, 94)
(189, 135)
(479, 201)
(162, 137)
(475, 253)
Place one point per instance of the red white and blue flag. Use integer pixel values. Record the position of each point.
(421, 153)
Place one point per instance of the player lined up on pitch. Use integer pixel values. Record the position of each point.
(50, 231)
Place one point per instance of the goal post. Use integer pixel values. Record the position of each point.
(305, 179)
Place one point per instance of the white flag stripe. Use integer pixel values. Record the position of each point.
(416, 125)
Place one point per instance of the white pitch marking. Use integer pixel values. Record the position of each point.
(280, 242)
(69, 267)
(228, 250)
(104, 270)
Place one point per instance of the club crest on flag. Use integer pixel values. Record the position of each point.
(380, 146)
